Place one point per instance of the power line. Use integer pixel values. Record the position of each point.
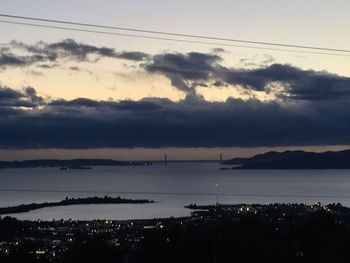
(169, 39)
(177, 34)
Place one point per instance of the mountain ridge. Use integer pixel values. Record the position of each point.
(40, 163)
(294, 160)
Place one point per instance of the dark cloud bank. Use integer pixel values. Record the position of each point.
(151, 122)
(313, 108)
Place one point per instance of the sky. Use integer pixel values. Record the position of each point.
(71, 94)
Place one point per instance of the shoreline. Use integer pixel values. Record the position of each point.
(231, 210)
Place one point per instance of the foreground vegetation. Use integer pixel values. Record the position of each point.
(240, 233)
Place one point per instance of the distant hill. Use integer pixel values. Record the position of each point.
(75, 163)
(294, 160)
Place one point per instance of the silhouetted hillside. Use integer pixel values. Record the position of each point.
(294, 160)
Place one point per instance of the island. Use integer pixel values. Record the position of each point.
(72, 201)
(292, 160)
(65, 168)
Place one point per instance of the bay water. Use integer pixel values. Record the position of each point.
(171, 187)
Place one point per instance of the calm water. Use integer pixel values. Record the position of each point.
(173, 186)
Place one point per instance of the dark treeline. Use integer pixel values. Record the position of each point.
(71, 201)
(318, 237)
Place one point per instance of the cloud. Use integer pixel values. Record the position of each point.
(48, 66)
(134, 56)
(152, 122)
(184, 70)
(34, 73)
(188, 71)
(297, 84)
(74, 68)
(69, 48)
(49, 54)
(312, 107)
(11, 60)
(218, 50)
(14, 99)
(219, 83)
(31, 95)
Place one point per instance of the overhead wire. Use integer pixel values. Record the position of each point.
(175, 34)
(171, 39)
